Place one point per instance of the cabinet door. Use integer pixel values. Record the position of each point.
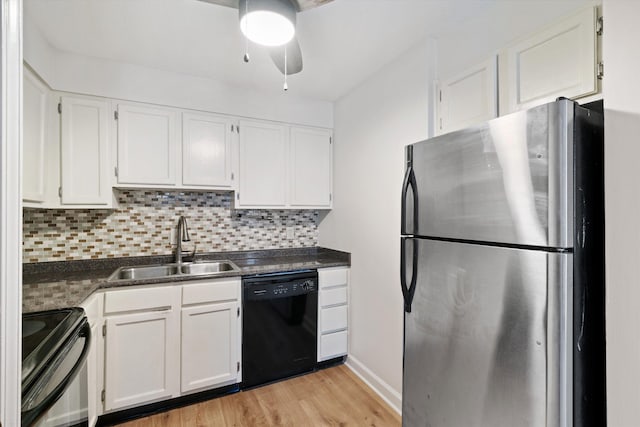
(141, 358)
(469, 98)
(84, 151)
(147, 145)
(34, 95)
(310, 161)
(206, 150)
(263, 165)
(559, 61)
(209, 345)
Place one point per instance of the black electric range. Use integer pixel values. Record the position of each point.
(54, 347)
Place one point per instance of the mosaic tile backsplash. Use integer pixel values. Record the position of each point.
(142, 224)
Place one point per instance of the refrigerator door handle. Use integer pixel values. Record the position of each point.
(408, 291)
(409, 181)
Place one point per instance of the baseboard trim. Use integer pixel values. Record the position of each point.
(384, 390)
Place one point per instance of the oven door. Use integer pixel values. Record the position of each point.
(59, 396)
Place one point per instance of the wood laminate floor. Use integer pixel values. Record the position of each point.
(330, 397)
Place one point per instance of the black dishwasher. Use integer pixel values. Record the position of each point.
(280, 312)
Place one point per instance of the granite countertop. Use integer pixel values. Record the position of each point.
(54, 285)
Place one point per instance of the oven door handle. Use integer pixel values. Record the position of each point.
(83, 331)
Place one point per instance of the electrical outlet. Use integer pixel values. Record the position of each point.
(291, 233)
(173, 237)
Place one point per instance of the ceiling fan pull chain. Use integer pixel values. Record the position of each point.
(246, 46)
(286, 86)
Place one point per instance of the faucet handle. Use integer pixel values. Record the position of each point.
(192, 254)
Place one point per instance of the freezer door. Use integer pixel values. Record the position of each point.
(509, 180)
(487, 342)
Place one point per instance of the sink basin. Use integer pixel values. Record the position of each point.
(144, 272)
(209, 267)
(168, 270)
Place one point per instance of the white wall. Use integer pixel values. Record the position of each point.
(622, 193)
(373, 123)
(94, 76)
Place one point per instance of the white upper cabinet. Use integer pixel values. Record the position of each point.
(310, 160)
(147, 145)
(558, 61)
(84, 131)
(263, 165)
(35, 104)
(468, 98)
(206, 150)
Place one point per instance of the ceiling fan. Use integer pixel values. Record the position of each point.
(271, 23)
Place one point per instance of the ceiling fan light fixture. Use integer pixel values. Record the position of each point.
(267, 22)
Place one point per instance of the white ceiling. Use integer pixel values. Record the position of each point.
(343, 42)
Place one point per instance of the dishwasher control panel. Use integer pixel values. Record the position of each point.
(270, 287)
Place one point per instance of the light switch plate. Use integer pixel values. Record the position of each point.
(291, 233)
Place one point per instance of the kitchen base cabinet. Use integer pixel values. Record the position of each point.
(211, 335)
(333, 316)
(163, 342)
(142, 350)
(95, 359)
(209, 346)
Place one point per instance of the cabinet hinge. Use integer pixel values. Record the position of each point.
(600, 73)
(440, 124)
(104, 330)
(330, 197)
(440, 95)
(238, 129)
(59, 191)
(238, 311)
(237, 366)
(238, 196)
(115, 170)
(232, 175)
(599, 26)
(232, 128)
(330, 140)
(102, 395)
(115, 115)
(59, 107)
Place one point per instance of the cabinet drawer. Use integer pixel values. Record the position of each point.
(139, 299)
(332, 277)
(333, 319)
(333, 296)
(200, 293)
(333, 345)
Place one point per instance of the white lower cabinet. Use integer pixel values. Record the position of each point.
(333, 315)
(164, 341)
(95, 359)
(211, 339)
(142, 347)
(141, 359)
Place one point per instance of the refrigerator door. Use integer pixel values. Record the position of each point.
(509, 180)
(488, 339)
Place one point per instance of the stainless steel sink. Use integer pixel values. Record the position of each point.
(209, 267)
(169, 270)
(144, 272)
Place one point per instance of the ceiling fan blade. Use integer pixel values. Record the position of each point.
(300, 5)
(294, 57)
(309, 4)
(227, 3)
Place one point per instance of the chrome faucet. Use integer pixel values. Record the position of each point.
(182, 235)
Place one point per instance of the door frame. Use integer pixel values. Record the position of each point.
(10, 211)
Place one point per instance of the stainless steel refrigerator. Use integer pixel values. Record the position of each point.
(502, 273)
